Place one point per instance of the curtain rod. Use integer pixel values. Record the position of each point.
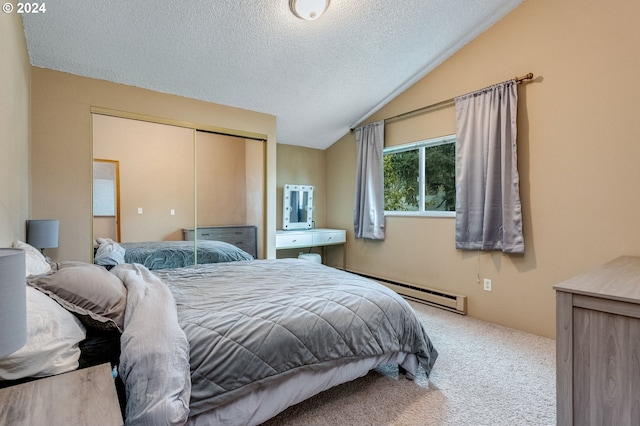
(444, 103)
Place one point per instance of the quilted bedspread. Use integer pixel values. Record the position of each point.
(175, 254)
(257, 322)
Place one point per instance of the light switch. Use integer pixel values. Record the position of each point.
(173, 212)
(139, 210)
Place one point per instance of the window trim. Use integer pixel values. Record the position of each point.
(426, 213)
(426, 143)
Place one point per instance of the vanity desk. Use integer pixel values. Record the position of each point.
(317, 237)
(297, 224)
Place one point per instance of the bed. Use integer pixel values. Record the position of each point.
(237, 342)
(166, 254)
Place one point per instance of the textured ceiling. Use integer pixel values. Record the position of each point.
(317, 77)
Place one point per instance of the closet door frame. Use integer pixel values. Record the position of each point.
(116, 189)
(195, 127)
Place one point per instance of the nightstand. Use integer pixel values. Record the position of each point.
(81, 397)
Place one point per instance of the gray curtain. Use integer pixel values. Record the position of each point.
(368, 212)
(488, 210)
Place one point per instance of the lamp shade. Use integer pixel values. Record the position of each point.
(42, 234)
(13, 301)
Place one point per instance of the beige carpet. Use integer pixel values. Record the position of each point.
(485, 375)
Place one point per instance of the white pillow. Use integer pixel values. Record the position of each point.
(36, 263)
(109, 253)
(53, 334)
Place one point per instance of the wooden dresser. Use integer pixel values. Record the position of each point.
(244, 237)
(598, 346)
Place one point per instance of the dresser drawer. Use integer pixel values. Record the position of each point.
(286, 240)
(243, 237)
(226, 233)
(329, 237)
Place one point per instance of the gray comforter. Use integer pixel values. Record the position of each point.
(176, 254)
(166, 254)
(154, 358)
(254, 323)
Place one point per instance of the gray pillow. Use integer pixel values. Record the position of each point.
(91, 292)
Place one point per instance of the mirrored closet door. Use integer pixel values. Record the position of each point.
(156, 176)
(176, 180)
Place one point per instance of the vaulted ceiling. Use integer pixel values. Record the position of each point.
(319, 78)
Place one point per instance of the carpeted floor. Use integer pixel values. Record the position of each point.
(485, 375)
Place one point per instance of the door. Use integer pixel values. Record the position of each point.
(106, 199)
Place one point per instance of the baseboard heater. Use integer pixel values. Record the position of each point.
(451, 302)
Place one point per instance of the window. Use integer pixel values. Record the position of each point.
(420, 178)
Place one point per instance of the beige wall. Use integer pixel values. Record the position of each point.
(578, 152)
(14, 130)
(61, 141)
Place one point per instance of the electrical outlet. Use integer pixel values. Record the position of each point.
(487, 284)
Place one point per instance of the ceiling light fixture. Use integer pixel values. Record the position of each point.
(308, 9)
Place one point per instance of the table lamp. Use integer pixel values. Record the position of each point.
(42, 234)
(13, 301)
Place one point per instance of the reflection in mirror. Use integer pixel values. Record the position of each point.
(175, 178)
(299, 202)
(230, 188)
(157, 195)
(106, 199)
(297, 207)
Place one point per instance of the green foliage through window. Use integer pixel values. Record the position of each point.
(420, 177)
(401, 183)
